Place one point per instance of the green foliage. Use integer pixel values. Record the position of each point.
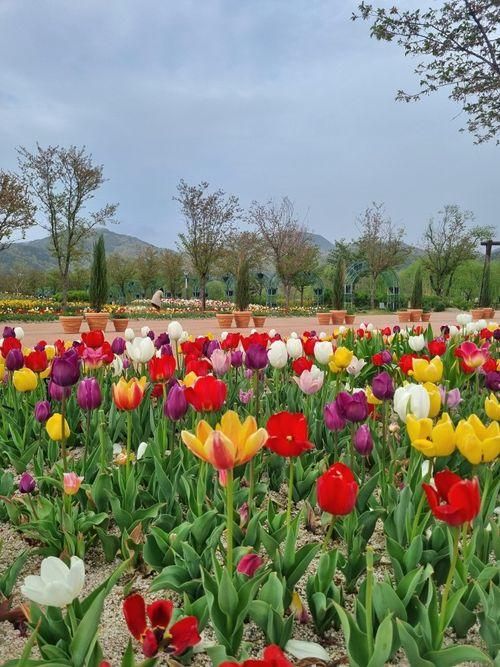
(98, 288)
(338, 285)
(417, 292)
(243, 286)
(485, 296)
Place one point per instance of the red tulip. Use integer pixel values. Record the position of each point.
(272, 656)
(161, 368)
(288, 433)
(93, 338)
(454, 500)
(9, 344)
(231, 341)
(301, 364)
(436, 347)
(37, 361)
(199, 367)
(207, 394)
(337, 490)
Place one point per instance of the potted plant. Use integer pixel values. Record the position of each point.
(71, 320)
(224, 319)
(426, 315)
(258, 318)
(350, 317)
(98, 288)
(403, 316)
(323, 318)
(242, 315)
(120, 320)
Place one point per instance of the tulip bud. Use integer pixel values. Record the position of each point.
(256, 357)
(26, 483)
(88, 394)
(71, 483)
(383, 386)
(236, 358)
(333, 420)
(118, 345)
(42, 411)
(19, 333)
(277, 354)
(14, 360)
(66, 369)
(176, 405)
(129, 334)
(57, 427)
(57, 393)
(175, 330)
(294, 347)
(363, 441)
(221, 361)
(323, 350)
(8, 332)
(249, 564)
(416, 343)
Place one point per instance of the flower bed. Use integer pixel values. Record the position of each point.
(279, 499)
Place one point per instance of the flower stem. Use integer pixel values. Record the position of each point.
(369, 599)
(290, 494)
(229, 521)
(328, 535)
(447, 586)
(129, 441)
(63, 435)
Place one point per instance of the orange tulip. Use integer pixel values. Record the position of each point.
(128, 395)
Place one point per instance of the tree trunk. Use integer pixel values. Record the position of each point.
(64, 290)
(288, 289)
(203, 294)
(301, 297)
(372, 293)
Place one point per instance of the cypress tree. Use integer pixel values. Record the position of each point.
(98, 288)
(338, 285)
(485, 294)
(417, 292)
(242, 295)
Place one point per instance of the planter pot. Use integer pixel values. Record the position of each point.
(415, 314)
(323, 318)
(477, 313)
(258, 320)
(403, 316)
(71, 323)
(97, 321)
(120, 323)
(224, 320)
(488, 313)
(426, 317)
(338, 316)
(242, 318)
(349, 319)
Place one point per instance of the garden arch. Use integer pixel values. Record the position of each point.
(357, 270)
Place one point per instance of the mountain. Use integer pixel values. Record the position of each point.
(323, 244)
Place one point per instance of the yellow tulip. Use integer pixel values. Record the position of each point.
(438, 440)
(54, 427)
(492, 407)
(24, 380)
(370, 396)
(50, 351)
(190, 379)
(435, 398)
(342, 357)
(477, 442)
(427, 371)
(231, 444)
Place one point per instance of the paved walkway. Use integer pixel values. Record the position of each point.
(51, 331)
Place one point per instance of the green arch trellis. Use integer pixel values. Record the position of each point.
(357, 270)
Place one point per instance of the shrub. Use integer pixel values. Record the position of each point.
(98, 289)
(338, 285)
(417, 292)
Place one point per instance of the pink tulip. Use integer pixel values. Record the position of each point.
(71, 483)
(310, 381)
(249, 564)
(221, 362)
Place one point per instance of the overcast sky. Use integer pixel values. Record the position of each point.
(262, 98)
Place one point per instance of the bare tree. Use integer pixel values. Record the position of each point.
(449, 242)
(380, 245)
(63, 181)
(285, 237)
(171, 269)
(147, 268)
(210, 219)
(17, 212)
(121, 270)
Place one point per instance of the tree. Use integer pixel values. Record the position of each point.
(210, 219)
(171, 269)
(308, 273)
(121, 271)
(448, 243)
(485, 295)
(381, 244)
(459, 49)
(98, 288)
(339, 284)
(417, 296)
(286, 239)
(17, 212)
(63, 181)
(147, 268)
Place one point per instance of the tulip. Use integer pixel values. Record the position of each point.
(337, 490)
(129, 334)
(42, 411)
(145, 331)
(463, 318)
(236, 358)
(161, 340)
(356, 366)
(416, 343)
(454, 500)
(221, 362)
(249, 564)
(272, 656)
(427, 371)
(383, 386)
(294, 347)
(118, 345)
(176, 405)
(492, 407)
(256, 357)
(57, 427)
(245, 396)
(162, 368)
(298, 610)
(8, 332)
(37, 361)
(24, 380)
(323, 350)
(411, 398)
(93, 339)
(450, 399)
(278, 354)
(477, 442)
(207, 394)
(492, 380)
(342, 357)
(88, 394)
(26, 483)
(128, 395)
(140, 350)
(434, 398)
(288, 434)
(471, 354)
(58, 393)
(19, 333)
(311, 381)
(58, 585)
(173, 638)
(14, 360)
(352, 407)
(141, 450)
(71, 483)
(333, 420)
(65, 369)
(437, 347)
(363, 441)
(438, 440)
(175, 331)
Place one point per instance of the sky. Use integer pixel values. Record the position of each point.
(262, 98)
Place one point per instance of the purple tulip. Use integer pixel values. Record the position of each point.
(42, 411)
(451, 398)
(245, 396)
(161, 340)
(26, 483)
(333, 421)
(352, 407)
(118, 346)
(383, 386)
(256, 357)
(363, 441)
(492, 380)
(57, 393)
(396, 329)
(14, 360)
(176, 405)
(166, 350)
(151, 334)
(236, 358)
(66, 369)
(88, 394)
(8, 332)
(386, 356)
(210, 346)
(40, 347)
(496, 334)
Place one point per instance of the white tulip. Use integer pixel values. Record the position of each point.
(140, 350)
(322, 335)
(141, 450)
(184, 337)
(470, 327)
(19, 333)
(342, 329)
(481, 324)
(174, 330)
(464, 318)
(454, 331)
(277, 354)
(356, 366)
(223, 335)
(412, 398)
(252, 331)
(58, 585)
(144, 331)
(129, 334)
(323, 350)
(294, 334)
(417, 343)
(117, 366)
(272, 333)
(370, 327)
(294, 347)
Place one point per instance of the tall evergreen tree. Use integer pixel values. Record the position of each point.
(485, 294)
(98, 288)
(338, 285)
(417, 297)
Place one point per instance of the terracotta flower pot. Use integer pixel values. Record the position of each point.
(403, 316)
(323, 318)
(120, 323)
(338, 316)
(97, 321)
(477, 313)
(349, 319)
(258, 320)
(242, 318)
(415, 314)
(488, 313)
(224, 320)
(71, 323)
(426, 317)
